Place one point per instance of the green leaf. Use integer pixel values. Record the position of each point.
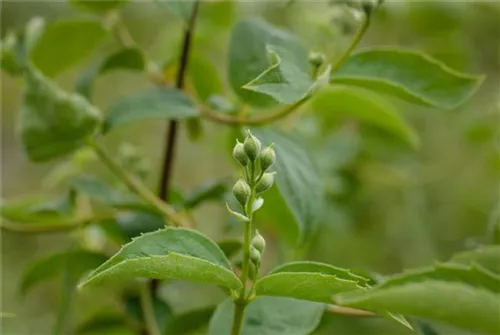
(77, 262)
(283, 80)
(53, 123)
(424, 328)
(204, 78)
(410, 75)
(308, 281)
(105, 323)
(16, 46)
(297, 175)
(341, 102)
(213, 190)
(169, 253)
(248, 56)
(124, 59)
(189, 321)
(454, 303)
(129, 224)
(163, 103)
(471, 275)
(61, 206)
(269, 316)
(98, 7)
(21, 209)
(127, 58)
(486, 256)
(182, 8)
(230, 247)
(327, 269)
(80, 37)
(104, 193)
(10, 49)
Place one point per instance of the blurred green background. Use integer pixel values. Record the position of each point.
(390, 208)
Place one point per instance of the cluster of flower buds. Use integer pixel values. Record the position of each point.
(256, 179)
(131, 159)
(258, 244)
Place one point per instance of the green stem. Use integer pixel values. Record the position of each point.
(354, 43)
(138, 187)
(241, 301)
(148, 310)
(239, 311)
(252, 121)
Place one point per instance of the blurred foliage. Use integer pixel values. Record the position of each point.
(389, 207)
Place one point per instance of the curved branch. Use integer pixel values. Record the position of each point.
(255, 120)
(54, 227)
(354, 43)
(138, 187)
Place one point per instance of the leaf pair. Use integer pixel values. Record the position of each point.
(463, 296)
(406, 74)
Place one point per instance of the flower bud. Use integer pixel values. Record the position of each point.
(255, 255)
(258, 242)
(317, 59)
(369, 6)
(252, 146)
(265, 182)
(241, 192)
(239, 154)
(267, 158)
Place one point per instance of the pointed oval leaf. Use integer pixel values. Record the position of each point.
(297, 175)
(210, 191)
(316, 267)
(486, 256)
(284, 81)
(98, 7)
(470, 275)
(410, 75)
(45, 268)
(454, 303)
(308, 281)
(204, 78)
(339, 102)
(158, 103)
(269, 316)
(169, 253)
(53, 123)
(125, 59)
(248, 56)
(304, 285)
(52, 56)
(104, 193)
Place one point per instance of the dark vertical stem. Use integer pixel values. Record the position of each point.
(173, 125)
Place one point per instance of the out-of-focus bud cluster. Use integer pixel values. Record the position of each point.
(132, 160)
